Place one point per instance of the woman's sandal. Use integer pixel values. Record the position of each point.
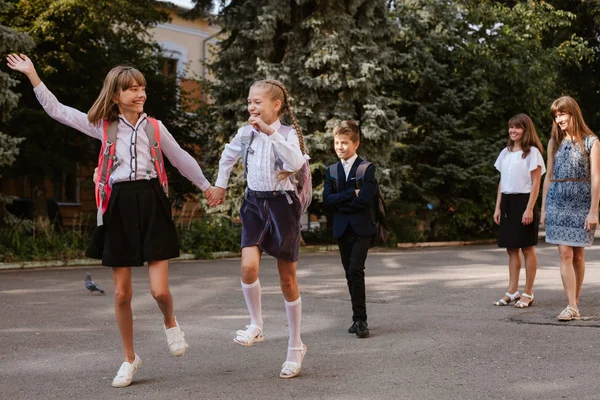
(512, 297)
(249, 338)
(290, 369)
(568, 314)
(522, 304)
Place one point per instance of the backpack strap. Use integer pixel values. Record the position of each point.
(108, 165)
(284, 131)
(333, 172)
(361, 171)
(247, 149)
(153, 133)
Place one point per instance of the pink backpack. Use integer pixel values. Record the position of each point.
(301, 179)
(108, 162)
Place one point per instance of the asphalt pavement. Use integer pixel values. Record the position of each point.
(434, 332)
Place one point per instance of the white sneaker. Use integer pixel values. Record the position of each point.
(176, 340)
(125, 373)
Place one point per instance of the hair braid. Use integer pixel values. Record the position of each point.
(288, 109)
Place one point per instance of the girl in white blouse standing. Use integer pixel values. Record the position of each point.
(135, 224)
(270, 211)
(521, 167)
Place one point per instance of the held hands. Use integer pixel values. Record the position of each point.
(215, 196)
(497, 216)
(591, 221)
(527, 217)
(260, 125)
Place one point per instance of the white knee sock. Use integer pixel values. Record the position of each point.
(252, 295)
(293, 311)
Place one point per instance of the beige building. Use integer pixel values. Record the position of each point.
(186, 46)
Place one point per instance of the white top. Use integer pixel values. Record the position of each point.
(262, 175)
(132, 149)
(347, 164)
(515, 171)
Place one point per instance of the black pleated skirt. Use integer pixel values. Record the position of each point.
(138, 227)
(270, 222)
(513, 234)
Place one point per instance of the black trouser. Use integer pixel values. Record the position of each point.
(353, 249)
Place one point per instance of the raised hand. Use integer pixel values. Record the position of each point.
(22, 63)
(260, 125)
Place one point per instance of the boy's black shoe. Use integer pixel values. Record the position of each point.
(362, 330)
(352, 328)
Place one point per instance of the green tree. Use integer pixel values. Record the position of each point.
(582, 82)
(78, 42)
(462, 69)
(10, 41)
(334, 58)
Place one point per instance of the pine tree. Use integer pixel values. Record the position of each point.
(333, 56)
(462, 70)
(10, 41)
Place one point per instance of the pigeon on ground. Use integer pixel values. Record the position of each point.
(91, 285)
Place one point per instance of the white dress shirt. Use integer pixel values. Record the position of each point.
(515, 171)
(262, 175)
(347, 164)
(132, 146)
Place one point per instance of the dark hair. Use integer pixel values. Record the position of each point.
(530, 136)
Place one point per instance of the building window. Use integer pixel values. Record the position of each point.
(169, 67)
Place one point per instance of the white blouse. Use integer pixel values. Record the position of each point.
(262, 175)
(515, 171)
(133, 148)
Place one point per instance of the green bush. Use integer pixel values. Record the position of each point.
(18, 245)
(209, 235)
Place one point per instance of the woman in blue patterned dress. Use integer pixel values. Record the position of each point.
(570, 196)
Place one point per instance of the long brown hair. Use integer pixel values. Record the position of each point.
(578, 128)
(121, 77)
(277, 91)
(530, 136)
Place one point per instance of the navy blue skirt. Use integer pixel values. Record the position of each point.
(271, 223)
(137, 227)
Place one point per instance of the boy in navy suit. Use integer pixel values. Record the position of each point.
(352, 199)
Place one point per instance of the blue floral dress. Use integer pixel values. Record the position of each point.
(569, 196)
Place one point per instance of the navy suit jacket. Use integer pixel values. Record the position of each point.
(350, 209)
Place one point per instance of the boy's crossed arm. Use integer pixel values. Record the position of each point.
(365, 196)
(333, 199)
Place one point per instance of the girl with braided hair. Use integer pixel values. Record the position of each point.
(270, 212)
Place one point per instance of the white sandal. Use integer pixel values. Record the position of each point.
(522, 304)
(568, 314)
(512, 297)
(293, 367)
(250, 339)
